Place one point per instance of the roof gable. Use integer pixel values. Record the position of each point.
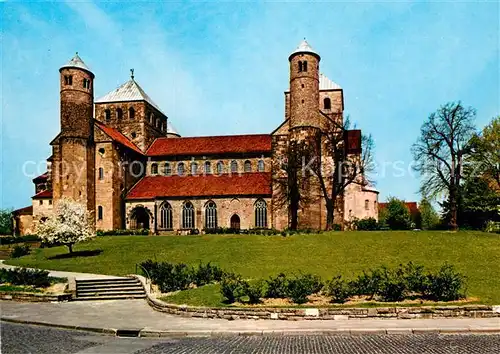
(115, 135)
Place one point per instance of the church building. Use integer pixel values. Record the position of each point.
(121, 156)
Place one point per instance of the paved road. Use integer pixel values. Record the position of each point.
(17, 338)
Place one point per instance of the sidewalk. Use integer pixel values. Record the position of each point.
(60, 274)
(110, 316)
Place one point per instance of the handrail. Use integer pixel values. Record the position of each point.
(148, 277)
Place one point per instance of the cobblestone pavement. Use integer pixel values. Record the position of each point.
(17, 338)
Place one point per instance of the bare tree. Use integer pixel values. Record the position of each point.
(347, 159)
(440, 151)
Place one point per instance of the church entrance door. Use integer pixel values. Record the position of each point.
(235, 222)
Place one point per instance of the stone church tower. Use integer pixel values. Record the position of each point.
(73, 158)
(305, 123)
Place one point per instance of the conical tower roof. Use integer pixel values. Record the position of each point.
(77, 62)
(304, 47)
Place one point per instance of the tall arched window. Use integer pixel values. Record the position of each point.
(220, 167)
(208, 167)
(119, 113)
(180, 168)
(194, 168)
(154, 169)
(131, 113)
(260, 166)
(367, 204)
(211, 215)
(188, 216)
(166, 216)
(168, 169)
(99, 213)
(234, 166)
(300, 66)
(260, 214)
(107, 115)
(248, 166)
(327, 103)
(101, 173)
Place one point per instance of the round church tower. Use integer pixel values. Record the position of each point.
(304, 90)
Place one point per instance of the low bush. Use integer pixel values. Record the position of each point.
(446, 285)
(206, 274)
(19, 251)
(415, 278)
(392, 286)
(338, 289)
(253, 290)
(24, 276)
(368, 224)
(122, 232)
(367, 283)
(276, 287)
(9, 240)
(300, 287)
(232, 287)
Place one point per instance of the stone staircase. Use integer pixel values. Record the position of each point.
(109, 289)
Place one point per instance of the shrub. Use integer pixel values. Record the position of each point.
(20, 250)
(254, 291)
(446, 285)
(23, 276)
(9, 240)
(337, 227)
(338, 289)
(392, 286)
(231, 287)
(206, 274)
(367, 283)
(299, 288)
(169, 276)
(368, 224)
(276, 287)
(121, 232)
(415, 277)
(397, 215)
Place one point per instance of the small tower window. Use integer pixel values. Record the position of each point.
(248, 166)
(220, 167)
(133, 135)
(101, 173)
(208, 167)
(304, 66)
(180, 168)
(119, 113)
(234, 166)
(300, 66)
(107, 115)
(131, 113)
(367, 204)
(327, 103)
(151, 118)
(168, 169)
(260, 166)
(154, 169)
(68, 79)
(99, 212)
(86, 83)
(194, 168)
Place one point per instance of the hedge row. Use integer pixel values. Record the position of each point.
(9, 240)
(22, 276)
(121, 232)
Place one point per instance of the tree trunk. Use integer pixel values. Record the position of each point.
(293, 217)
(70, 246)
(330, 214)
(453, 209)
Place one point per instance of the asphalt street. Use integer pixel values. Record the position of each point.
(18, 338)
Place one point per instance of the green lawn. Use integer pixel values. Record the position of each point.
(476, 254)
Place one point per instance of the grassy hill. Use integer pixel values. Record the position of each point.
(475, 254)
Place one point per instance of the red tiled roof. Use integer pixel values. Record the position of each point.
(26, 210)
(196, 186)
(412, 206)
(42, 177)
(118, 137)
(43, 194)
(210, 145)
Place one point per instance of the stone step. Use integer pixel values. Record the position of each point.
(109, 286)
(106, 281)
(108, 293)
(109, 297)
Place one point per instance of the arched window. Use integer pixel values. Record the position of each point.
(220, 167)
(101, 173)
(367, 204)
(166, 216)
(260, 214)
(180, 168)
(151, 118)
(194, 168)
(300, 66)
(375, 205)
(260, 166)
(154, 169)
(327, 103)
(167, 169)
(248, 166)
(234, 166)
(211, 215)
(208, 167)
(131, 113)
(107, 115)
(99, 212)
(304, 66)
(157, 122)
(119, 114)
(188, 216)
(68, 79)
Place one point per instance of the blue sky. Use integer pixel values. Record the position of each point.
(221, 68)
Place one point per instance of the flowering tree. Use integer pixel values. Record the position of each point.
(71, 223)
